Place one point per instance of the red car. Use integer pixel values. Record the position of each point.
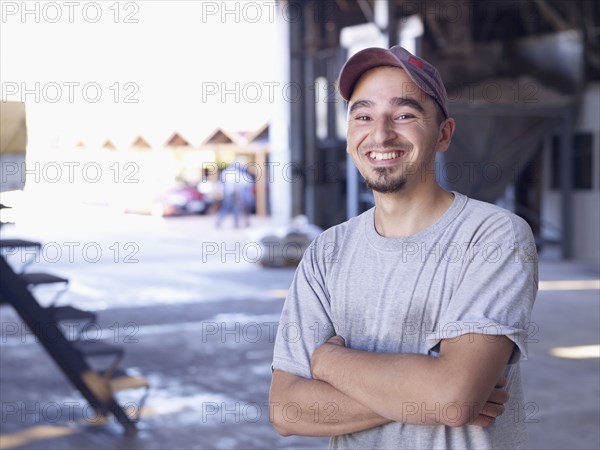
(183, 200)
(175, 201)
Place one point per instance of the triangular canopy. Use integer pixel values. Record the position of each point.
(219, 137)
(177, 141)
(141, 143)
(109, 145)
(261, 135)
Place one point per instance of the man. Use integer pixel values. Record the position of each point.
(403, 324)
(238, 198)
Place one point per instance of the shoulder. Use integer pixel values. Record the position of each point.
(328, 244)
(344, 230)
(486, 218)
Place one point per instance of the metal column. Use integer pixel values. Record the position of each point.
(566, 184)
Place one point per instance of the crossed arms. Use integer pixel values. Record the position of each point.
(354, 390)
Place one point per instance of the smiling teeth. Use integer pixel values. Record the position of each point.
(383, 156)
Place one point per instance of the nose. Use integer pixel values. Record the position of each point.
(384, 131)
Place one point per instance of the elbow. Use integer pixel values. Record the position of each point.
(286, 391)
(281, 426)
(277, 418)
(280, 429)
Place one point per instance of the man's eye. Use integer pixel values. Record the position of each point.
(405, 116)
(362, 118)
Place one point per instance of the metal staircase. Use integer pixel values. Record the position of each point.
(71, 354)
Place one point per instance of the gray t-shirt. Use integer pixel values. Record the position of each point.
(473, 271)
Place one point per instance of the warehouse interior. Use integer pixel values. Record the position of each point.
(522, 79)
(154, 332)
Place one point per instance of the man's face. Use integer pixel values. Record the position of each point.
(393, 132)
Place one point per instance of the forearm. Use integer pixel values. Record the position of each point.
(402, 387)
(452, 389)
(308, 407)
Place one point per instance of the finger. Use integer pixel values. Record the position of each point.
(501, 381)
(492, 410)
(337, 340)
(499, 396)
(483, 421)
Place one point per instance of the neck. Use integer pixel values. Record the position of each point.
(407, 212)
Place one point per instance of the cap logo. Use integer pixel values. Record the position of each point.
(415, 62)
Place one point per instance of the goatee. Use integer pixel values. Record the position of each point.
(385, 183)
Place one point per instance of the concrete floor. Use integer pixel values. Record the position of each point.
(199, 327)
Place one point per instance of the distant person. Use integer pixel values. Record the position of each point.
(238, 196)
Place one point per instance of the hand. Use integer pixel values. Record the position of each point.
(336, 340)
(494, 405)
(321, 353)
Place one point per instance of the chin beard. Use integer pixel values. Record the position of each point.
(385, 183)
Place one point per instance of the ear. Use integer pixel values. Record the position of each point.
(445, 135)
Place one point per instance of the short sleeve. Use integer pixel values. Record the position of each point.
(497, 286)
(306, 311)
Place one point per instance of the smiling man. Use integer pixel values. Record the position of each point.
(404, 326)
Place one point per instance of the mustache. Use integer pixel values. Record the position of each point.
(391, 145)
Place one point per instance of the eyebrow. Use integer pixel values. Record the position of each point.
(410, 102)
(361, 104)
(394, 101)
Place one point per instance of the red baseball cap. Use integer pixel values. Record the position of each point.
(420, 72)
